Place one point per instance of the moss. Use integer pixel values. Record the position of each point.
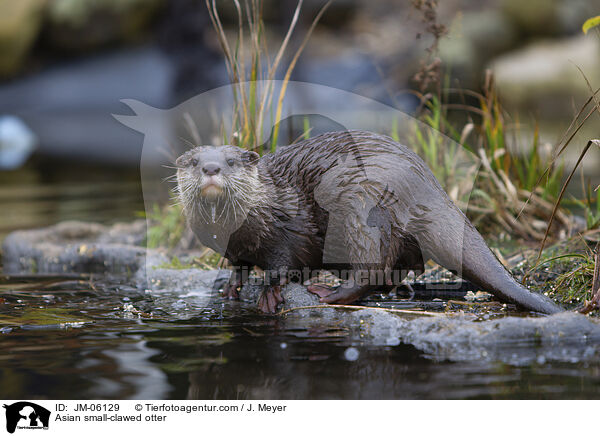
(176, 263)
(207, 260)
(564, 272)
(167, 226)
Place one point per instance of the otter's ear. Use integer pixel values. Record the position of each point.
(250, 157)
(181, 160)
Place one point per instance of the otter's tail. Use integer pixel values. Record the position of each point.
(481, 267)
(461, 248)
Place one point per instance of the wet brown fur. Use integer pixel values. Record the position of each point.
(339, 173)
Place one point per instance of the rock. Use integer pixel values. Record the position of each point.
(79, 247)
(20, 23)
(250, 292)
(133, 233)
(182, 280)
(543, 77)
(84, 94)
(83, 25)
(294, 295)
(533, 17)
(346, 71)
(474, 39)
(546, 17)
(567, 336)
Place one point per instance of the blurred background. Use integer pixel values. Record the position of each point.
(66, 64)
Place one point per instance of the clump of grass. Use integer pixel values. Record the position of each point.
(524, 169)
(440, 146)
(579, 278)
(593, 304)
(252, 71)
(564, 272)
(207, 259)
(166, 227)
(590, 205)
(517, 193)
(575, 286)
(514, 191)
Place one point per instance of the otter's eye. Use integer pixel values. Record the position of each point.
(230, 162)
(194, 162)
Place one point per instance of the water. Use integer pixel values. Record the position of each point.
(72, 338)
(39, 195)
(65, 339)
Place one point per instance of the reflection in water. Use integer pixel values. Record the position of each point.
(38, 196)
(60, 339)
(148, 380)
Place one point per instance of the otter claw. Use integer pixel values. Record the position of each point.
(269, 299)
(230, 290)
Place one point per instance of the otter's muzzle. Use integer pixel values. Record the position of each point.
(211, 185)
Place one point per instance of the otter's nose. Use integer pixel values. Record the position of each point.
(211, 169)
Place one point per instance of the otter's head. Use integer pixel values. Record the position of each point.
(223, 177)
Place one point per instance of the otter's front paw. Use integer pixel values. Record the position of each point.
(269, 298)
(231, 289)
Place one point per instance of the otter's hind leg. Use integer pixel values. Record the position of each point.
(320, 289)
(344, 295)
(361, 283)
(408, 259)
(349, 293)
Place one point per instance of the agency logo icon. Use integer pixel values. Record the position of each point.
(26, 415)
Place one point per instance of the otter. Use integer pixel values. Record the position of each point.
(342, 201)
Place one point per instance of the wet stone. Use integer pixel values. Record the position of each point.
(76, 247)
(250, 292)
(182, 280)
(566, 337)
(294, 295)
